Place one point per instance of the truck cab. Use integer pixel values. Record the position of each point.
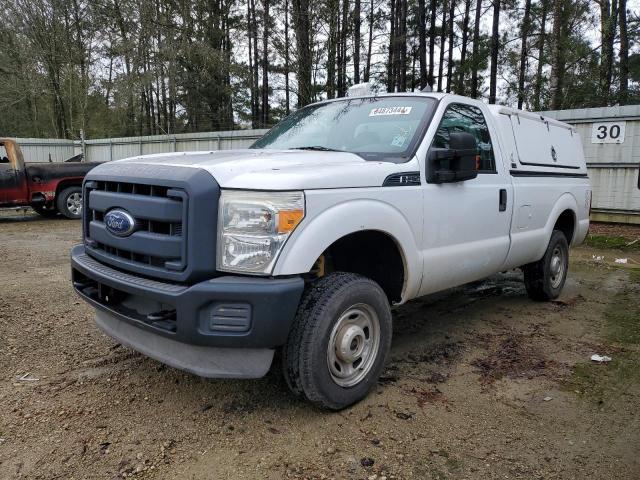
(212, 261)
(13, 185)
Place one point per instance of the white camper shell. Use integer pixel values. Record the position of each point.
(536, 143)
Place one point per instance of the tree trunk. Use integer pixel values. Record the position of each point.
(463, 48)
(265, 63)
(128, 68)
(342, 49)
(356, 42)
(523, 52)
(302, 26)
(251, 89)
(286, 58)
(333, 41)
(432, 42)
(476, 46)
(254, 64)
(422, 42)
(608, 23)
(558, 62)
(495, 37)
(391, 81)
(367, 69)
(537, 90)
(624, 53)
(443, 39)
(452, 13)
(402, 46)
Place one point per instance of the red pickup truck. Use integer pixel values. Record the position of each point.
(50, 188)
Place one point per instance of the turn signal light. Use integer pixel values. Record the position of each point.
(288, 220)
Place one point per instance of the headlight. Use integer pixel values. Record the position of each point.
(253, 227)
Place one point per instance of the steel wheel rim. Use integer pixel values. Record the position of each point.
(557, 267)
(74, 203)
(353, 345)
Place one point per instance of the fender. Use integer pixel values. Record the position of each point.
(317, 232)
(51, 188)
(566, 202)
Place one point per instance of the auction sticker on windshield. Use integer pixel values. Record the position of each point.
(380, 111)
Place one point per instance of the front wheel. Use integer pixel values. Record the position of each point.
(545, 278)
(339, 341)
(69, 202)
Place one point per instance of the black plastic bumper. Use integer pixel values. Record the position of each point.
(229, 311)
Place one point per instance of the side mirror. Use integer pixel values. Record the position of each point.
(456, 163)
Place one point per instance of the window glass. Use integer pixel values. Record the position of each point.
(386, 126)
(469, 119)
(4, 158)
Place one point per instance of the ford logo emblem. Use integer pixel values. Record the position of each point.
(119, 222)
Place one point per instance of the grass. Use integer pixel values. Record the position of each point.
(600, 383)
(615, 242)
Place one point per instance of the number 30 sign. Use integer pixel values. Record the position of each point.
(608, 132)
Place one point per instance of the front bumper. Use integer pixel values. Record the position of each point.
(226, 326)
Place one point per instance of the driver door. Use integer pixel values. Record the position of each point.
(466, 223)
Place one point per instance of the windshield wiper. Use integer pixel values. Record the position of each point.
(317, 148)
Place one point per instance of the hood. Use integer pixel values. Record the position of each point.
(281, 169)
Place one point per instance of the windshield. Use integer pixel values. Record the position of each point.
(375, 128)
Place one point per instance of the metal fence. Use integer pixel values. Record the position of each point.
(104, 150)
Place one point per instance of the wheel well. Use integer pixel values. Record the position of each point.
(66, 184)
(370, 253)
(566, 223)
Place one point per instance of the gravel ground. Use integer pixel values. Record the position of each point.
(481, 383)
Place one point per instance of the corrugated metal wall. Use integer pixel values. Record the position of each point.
(104, 150)
(117, 148)
(613, 167)
(44, 149)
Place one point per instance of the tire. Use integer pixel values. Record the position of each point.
(46, 212)
(69, 202)
(545, 278)
(340, 309)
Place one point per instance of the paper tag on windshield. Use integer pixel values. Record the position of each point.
(380, 111)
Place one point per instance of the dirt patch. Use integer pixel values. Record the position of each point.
(74, 404)
(511, 355)
(424, 397)
(606, 384)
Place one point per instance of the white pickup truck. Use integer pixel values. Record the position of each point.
(212, 261)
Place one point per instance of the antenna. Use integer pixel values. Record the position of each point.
(427, 89)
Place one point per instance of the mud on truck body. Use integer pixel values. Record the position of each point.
(49, 188)
(212, 261)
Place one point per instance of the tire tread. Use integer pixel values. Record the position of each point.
(305, 332)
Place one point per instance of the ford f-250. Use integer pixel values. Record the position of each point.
(49, 188)
(212, 261)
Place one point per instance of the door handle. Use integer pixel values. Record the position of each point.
(503, 200)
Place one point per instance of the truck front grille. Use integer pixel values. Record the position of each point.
(157, 245)
(175, 212)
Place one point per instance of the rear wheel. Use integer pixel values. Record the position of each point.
(339, 341)
(69, 202)
(545, 278)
